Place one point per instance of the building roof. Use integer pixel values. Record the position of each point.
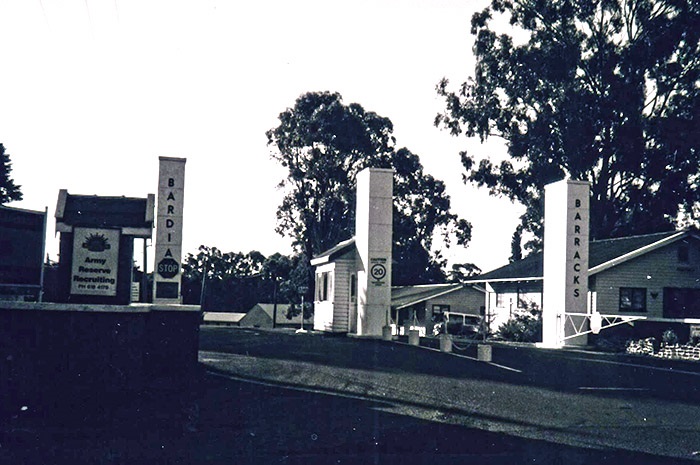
(222, 317)
(405, 296)
(339, 249)
(132, 215)
(281, 313)
(602, 254)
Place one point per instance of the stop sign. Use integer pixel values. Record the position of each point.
(168, 268)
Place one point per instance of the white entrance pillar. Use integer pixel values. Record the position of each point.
(373, 227)
(168, 253)
(565, 289)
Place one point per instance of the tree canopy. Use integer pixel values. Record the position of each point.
(605, 91)
(235, 282)
(230, 279)
(323, 144)
(9, 191)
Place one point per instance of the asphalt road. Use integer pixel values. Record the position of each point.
(276, 397)
(327, 399)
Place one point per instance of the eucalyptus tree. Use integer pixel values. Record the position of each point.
(606, 91)
(323, 144)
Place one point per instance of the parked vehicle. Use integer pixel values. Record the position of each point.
(459, 324)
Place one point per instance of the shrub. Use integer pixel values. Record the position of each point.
(612, 343)
(522, 327)
(669, 338)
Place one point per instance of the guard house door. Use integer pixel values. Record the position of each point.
(352, 304)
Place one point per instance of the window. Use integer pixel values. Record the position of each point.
(353, 288)
(633, 299)
(681, 303)
(683, 254)
(499, 300)
(324, 284)
(440, 309)
(520, 300)
(472, 320)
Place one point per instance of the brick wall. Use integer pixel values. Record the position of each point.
(48, 351)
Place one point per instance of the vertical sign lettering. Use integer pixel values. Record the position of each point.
(576, 246)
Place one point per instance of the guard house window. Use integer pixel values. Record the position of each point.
(520, 300)
(499, 300)
(323, 286)
(683, 254)
(353, 288)
(439, 310)
(633, 299)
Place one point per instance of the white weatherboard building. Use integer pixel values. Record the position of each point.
(422, 307)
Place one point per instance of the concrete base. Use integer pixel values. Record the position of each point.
(414, 337)
(445, 343)
(547, 345)
(483, 353)
(387, 333)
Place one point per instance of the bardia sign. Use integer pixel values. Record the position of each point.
(168, 251)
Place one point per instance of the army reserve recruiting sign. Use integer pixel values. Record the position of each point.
(95, 261)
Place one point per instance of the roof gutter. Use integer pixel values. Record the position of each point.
(503, 280)
(439, 294)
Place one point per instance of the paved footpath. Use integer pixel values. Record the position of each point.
(604, 414)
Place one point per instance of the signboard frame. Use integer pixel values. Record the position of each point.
(95, 261)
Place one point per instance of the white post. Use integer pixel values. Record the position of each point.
(167, 268)
(565, 289)
(302, 290)
(373, 238)
(301, 315)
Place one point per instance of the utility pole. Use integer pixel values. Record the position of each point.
(274, 301)
(144, 277)
(204, 283)
(302, 290)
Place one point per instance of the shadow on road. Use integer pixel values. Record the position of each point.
(538, 368)
(223, 420)
(248, 423)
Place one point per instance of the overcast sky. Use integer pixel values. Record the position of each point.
(93, 92)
